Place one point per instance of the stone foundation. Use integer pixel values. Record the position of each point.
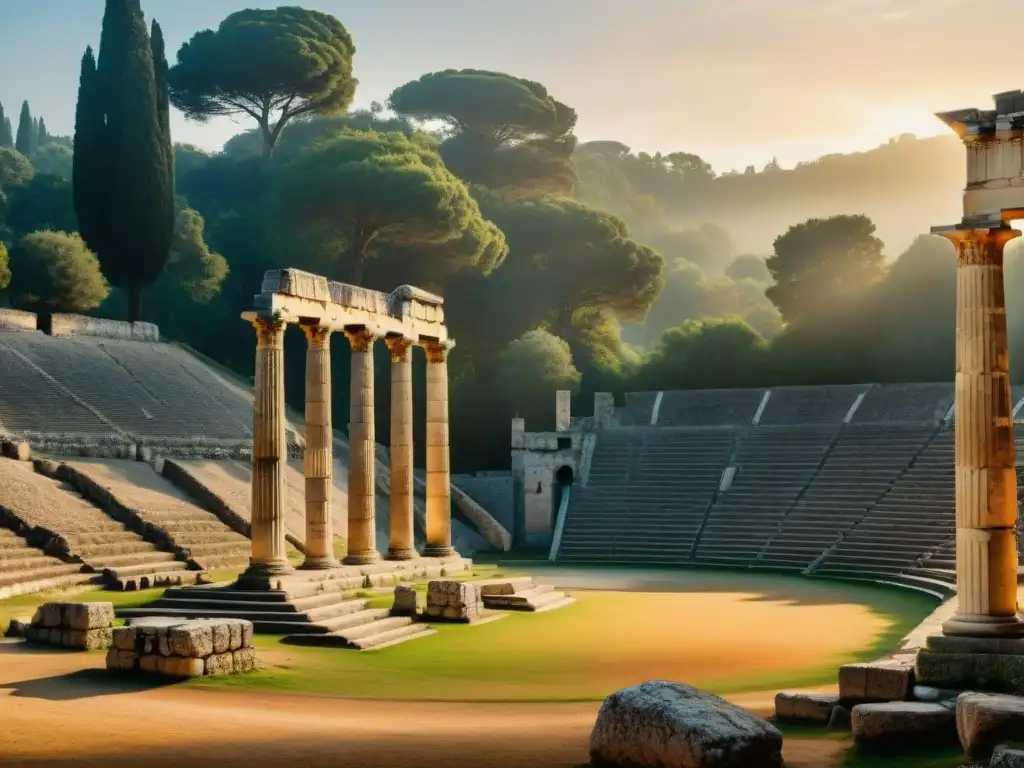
(184, 649)
(454, 601)
(986, 664)
(80, 626)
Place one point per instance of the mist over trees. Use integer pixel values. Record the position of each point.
(562, 264)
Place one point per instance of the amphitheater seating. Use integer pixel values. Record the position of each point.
(774, 465)
(647, 494)
(133, 488)
(27, 569)
(711, 407)
(913, 520)
(859, 469)
(810, 405)
(56, 513)
(638, 410)
(905, 404)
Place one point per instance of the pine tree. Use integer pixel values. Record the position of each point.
(42, 137)
(123, 164)
(23, 142)
(6, 137)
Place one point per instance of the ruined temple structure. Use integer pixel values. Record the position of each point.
(405, 318)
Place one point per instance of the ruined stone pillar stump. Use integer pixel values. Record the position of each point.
(439, 501)
(986, 483)
(402, 544)
(318, 459)
(362, 495)
(269, 457)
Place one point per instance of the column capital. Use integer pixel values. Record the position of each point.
(269, 331)
(399, 347)
(980, 247)
(437, 351)
(361, 338)
(316, 335)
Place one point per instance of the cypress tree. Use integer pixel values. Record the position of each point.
(6, 136)
(42, 137)
(123, 166)
(23, 141)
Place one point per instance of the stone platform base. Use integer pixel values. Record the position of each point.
(383, 573)
(969, 663)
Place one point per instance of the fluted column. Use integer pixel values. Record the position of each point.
(318, 460)
(986, 483)
(362, 532)
(439, 500)
(403, 545)
(269, 454)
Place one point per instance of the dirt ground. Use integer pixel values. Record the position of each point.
(59, 709)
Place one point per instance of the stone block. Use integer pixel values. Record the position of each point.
(118, 659)
(88, 639)
(898, 723)
(247, 633)
(220, 664)
(816, 707)
(876, 681)
(661, 724)
(85, 616)
(1005, 757)
(929, 693)
(176, 666)
(983, 721)
(234, 634)
(221, 633)
(123, 638)
(998, 673)
(64, 637)
(50, 615)
(41, 634)
(16, 628)
(150, 663)
(840, 719)
(243, 660)
(191, 639)
(405, 602)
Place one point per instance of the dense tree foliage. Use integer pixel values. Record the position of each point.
(6, 136)
(15, 168)
(43, 202)
(272, 65)
(533, 367)
(55, 272)
(123, 165)
(54, 158)
(748, 267)
(5, 267)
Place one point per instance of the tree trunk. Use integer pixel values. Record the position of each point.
(134, 303)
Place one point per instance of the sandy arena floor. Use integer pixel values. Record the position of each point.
(59, 709)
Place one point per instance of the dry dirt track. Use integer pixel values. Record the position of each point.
(57, 710)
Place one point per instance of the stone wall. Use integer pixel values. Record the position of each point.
(80, 325)
(176, 648)
(15, 319)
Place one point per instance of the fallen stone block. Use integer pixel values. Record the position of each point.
(16, 628)
(661, 724)
(124, 638)
(220, 664)
(85, 616)
(192, 639)
(405, 602)
(88, 640)
(816, 707)
(177, 666)
(1006, 757)
(983, 721)
(876, 681)
(902, 723)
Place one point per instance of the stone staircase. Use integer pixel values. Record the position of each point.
(27, 569)
(521, 594)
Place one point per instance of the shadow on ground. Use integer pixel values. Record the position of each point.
(83, 684)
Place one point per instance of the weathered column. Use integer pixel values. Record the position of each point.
(403, 545)
(986, 483)
(439, 500)
(318, 460)
(362, 532)
(269, 456)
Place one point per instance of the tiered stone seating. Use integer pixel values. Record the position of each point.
(28, 569)
(913, 520)
(773, 466)
(905, 404)
(710, 407)
(54, 513)
(647, 494)
(491, 491)
(859, 469)
(132, 490)
(810, 405)
(638, 410)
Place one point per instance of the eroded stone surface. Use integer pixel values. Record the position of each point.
(876, 681)
(985, 720)
(405, 601)
(902, 722)
(661, 724)
(194, 639)
(453, 601)
(1000, 673)
(85, 616)
(816, 707)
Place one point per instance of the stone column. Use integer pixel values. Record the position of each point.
(439, 498)
(986, 483)
(403, 544)
(362, 481)
(269, 456)
(318, 460)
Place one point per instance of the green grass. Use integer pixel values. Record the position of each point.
(23, 606)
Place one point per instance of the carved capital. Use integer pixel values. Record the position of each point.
(981, 247)
(317, 335)
(399, 347)
(361, 339)
(437, 351)
(269, 332)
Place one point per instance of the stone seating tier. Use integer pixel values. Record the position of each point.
(28, 569)
(736, 407)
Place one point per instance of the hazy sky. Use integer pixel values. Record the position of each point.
(736, 81)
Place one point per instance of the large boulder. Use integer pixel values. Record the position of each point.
(661, 724)
(985, 720)
(902, 723)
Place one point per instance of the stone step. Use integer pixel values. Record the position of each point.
(371, 628)
(112, 549)
(216, 548)
(33, 560)
(120, 582)
(380, 639)
(41, 581)
(221, 593)
(54, 569)
(142, 569)
(100, 538)
(530, 600)
(556, 604)
(352, 619)
(116, 562)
